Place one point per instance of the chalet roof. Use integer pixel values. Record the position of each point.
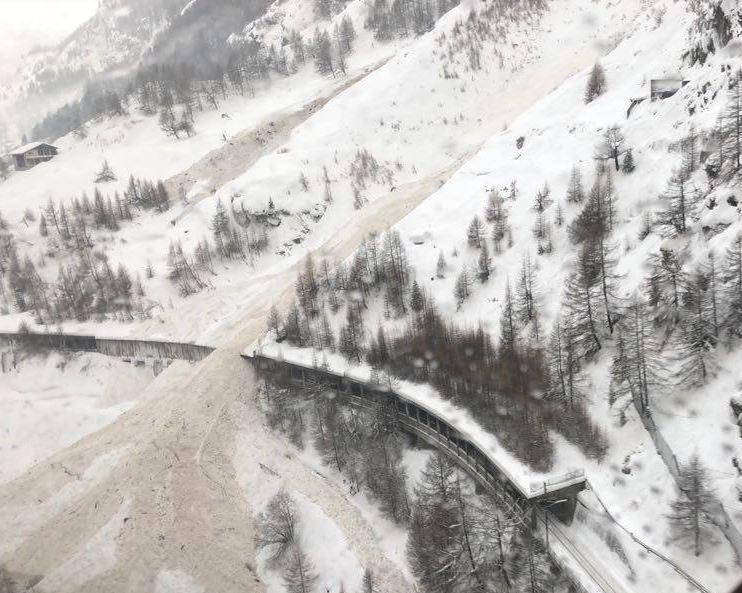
(24, 149)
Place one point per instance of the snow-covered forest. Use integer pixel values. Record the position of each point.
(522, 216)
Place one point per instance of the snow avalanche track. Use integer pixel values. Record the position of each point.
(173, 470)
(161, 489)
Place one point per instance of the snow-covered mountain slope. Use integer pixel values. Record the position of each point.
(121, 36)
(541, 147)
(116, 36)
(48, 404)
(422, 129)
(400, 150)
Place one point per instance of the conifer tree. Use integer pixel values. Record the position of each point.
(347, 34)
(474, 233)
(559, 215)
(500, 226)
(461, 288)
(299, 573)
(575, 191)
(732, 289)
(628, 165)
(694, 504)
(526, 292)
(581, 299)
(508, 321)
(274, 321)
(351, 335)
(440, 267)
(278, 526)
(565, 382)
(484, 263)
(323, 53)
(666, 283)
(494, 201)
(105, 174)
(417, 298)
(698, 336)
(681, 199)
(636, 370)
(596, 84)
(543, 199)
(731, 131)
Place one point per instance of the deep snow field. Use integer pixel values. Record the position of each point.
(443, 143)
(49, 402)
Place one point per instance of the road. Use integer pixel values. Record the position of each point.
(167, 467)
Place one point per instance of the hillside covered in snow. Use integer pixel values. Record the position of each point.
(523, 215)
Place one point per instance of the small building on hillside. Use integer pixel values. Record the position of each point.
(32, 154)
(662, 88)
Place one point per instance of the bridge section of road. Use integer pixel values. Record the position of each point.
(118, 347)
(557, 493)
(555, 497)
(543, 509)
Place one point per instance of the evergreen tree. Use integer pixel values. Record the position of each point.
(417, 298)
(105, 174)
(440, 267)
(351, 335)
(508, 322)
(526, 292)
(347, 34)
(698, 337)
(323, 53)
(543, 199)
(530, 564)
(299, 573)
(731, 131)
(443, 546)
(565, 382)
(732, 289)
(575, 191)
(499, 216)
(628, 165)
(596, 84)
(559, 215)
(461, 288)
(682, 199)
(694, 504)
(666, 283)
(494, 203)
(581, 299)
(474, 233)
(689, 150)
(484, 264)
(274, 321)
(636, 370)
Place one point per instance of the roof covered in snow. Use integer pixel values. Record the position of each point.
(28, 147)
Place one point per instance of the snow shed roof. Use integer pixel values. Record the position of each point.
(28, 147)
(529, 482)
